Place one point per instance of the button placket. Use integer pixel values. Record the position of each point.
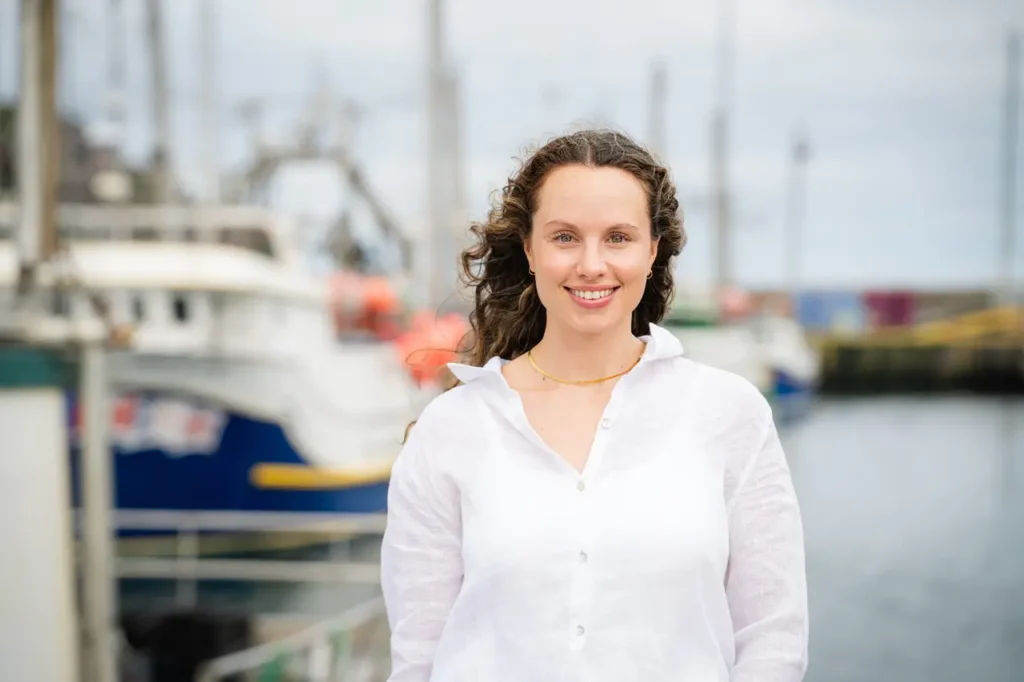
(581, 580)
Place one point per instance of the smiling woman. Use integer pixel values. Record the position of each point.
(588, 503)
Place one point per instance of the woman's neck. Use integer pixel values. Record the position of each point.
(572, 356)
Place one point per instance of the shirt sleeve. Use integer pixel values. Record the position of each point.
(766, 579)
(421, 560)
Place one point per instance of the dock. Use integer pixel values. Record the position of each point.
(979, 352)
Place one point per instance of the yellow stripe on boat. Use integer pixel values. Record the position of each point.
(271, 476)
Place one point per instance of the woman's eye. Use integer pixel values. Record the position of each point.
(563, 237)
(619, 238)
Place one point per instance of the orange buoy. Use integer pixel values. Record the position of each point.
(429, 344)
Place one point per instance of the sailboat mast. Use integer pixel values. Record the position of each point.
(720, 145)
(160, 111)
(207, 51)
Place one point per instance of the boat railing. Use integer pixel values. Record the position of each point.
(330, 650)
(187, 567)
(320, 653)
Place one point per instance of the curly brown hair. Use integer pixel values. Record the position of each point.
(508, 318)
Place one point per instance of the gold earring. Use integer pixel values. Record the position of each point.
(532, 272)
(650, 273)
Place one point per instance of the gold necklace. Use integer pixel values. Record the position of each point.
(583, 382)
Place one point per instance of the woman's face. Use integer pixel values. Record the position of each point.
(590, 247)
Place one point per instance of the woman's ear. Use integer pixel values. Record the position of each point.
(654, 252)
(528, 252)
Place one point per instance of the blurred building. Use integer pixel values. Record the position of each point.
(854, 311)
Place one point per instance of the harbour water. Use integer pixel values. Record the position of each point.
(914, 515)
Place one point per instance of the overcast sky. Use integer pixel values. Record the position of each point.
(902, 101)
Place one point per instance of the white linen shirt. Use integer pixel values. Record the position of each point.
(675, 556)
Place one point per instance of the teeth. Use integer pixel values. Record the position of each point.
(591, 295)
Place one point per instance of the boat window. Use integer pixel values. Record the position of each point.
(251, 239)
(60, 303)
(138, 308)
(181, 308)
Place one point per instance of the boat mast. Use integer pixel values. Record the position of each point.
(436, 190)
(207, 49)
(163, 185)
(656, 113)
(1008, 173)
(720, 145)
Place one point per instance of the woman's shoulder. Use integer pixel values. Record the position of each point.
(720, 395)
(450, 412)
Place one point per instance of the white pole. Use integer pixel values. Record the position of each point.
(31, 149)
(37, 605)
(98, 582)
(211, 158)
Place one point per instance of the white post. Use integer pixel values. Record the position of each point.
(98, 582)
(37, 607)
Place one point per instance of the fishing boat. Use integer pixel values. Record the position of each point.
(230, 387)
(795, 365)
(771, 351)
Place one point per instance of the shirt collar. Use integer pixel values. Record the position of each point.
(661, 345)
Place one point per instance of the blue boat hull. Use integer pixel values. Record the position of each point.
(792, 398)
(201, 458)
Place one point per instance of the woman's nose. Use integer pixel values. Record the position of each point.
(592, 262)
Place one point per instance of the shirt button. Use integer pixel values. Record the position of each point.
(605, 423)
(581, 486)
(580, 631)
(583, 557)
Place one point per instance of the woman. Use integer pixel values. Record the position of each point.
(589, 504)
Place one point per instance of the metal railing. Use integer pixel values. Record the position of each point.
(346, 647)
(186, 566)
(321, 653)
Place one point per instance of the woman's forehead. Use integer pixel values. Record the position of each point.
(583, 197)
